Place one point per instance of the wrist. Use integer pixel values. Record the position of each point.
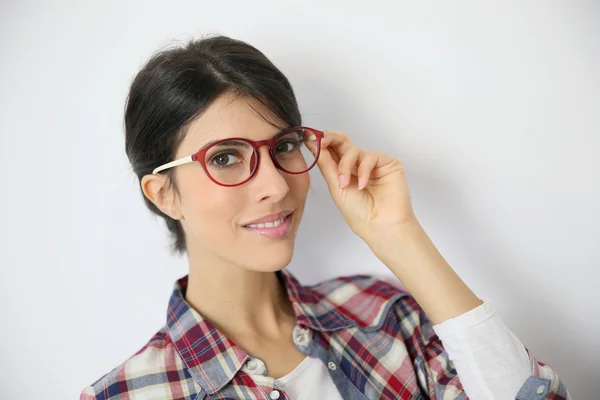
(412, 257)
(400, 241)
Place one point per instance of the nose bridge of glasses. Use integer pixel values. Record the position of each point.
(269, 143)
(269, 154)
(261, 143)
(270, 175)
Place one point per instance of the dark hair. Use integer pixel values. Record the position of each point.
(177, 85)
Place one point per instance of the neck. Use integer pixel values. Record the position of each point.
(239, 301)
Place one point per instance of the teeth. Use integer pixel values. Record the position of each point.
(267, 224)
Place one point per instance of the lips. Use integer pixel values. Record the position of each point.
(269, 220)
(278, 229)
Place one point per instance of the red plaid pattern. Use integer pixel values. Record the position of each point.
(377, 336)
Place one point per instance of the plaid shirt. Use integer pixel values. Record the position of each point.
(374, 338)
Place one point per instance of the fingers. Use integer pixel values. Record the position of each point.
(345, 154)
(338, 141)
(346, 164)
(341, 159)
(328, 167)
(367, 164)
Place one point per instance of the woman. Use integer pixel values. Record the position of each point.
(214, 134)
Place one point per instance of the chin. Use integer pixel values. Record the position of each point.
(270, 260)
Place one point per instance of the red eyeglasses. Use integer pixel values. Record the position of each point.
(234, 161)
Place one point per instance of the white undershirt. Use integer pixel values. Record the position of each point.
(309, 380)
(490, 360)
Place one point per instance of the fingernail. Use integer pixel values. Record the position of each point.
(362, 182)
(342, 181)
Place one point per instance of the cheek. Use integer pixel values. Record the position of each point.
(208, 208)
(301, 184)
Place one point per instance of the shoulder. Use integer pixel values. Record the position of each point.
(150, 373)
(367, 300)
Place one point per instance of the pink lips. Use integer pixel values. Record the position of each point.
(270, 218)
(276, 232)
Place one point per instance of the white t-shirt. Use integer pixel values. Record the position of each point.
(491, 361)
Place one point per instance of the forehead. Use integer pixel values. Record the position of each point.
(230, 116)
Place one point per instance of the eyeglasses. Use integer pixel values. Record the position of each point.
(234, 161)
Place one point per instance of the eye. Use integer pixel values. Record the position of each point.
(286, 146)
(224, 159)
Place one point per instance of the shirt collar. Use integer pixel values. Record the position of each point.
(313, 308)
(212, 359)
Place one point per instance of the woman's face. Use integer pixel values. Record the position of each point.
(215, 218)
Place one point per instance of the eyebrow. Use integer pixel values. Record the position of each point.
(230, 143)
(223, 144)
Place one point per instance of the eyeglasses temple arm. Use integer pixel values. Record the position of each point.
(172, 164)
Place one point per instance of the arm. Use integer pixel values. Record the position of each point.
(469, 350)
(468, 361)
(415, 261)
(371, 191)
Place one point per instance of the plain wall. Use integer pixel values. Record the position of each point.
(493, 108)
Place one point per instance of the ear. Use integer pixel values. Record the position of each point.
(156, 188)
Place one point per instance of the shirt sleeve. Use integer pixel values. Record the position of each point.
(88, 394)
(480, 359)
(490, 360)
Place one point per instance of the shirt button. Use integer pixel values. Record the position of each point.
(299, 338)
(332, 366)
(274, 395)
(251, 365)
(541, 389)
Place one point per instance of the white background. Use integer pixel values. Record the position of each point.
(493, 108)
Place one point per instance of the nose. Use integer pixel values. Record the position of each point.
(268, 183)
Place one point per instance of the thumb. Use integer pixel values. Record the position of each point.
(329, 168)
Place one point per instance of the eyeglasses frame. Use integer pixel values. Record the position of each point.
(200, 156)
